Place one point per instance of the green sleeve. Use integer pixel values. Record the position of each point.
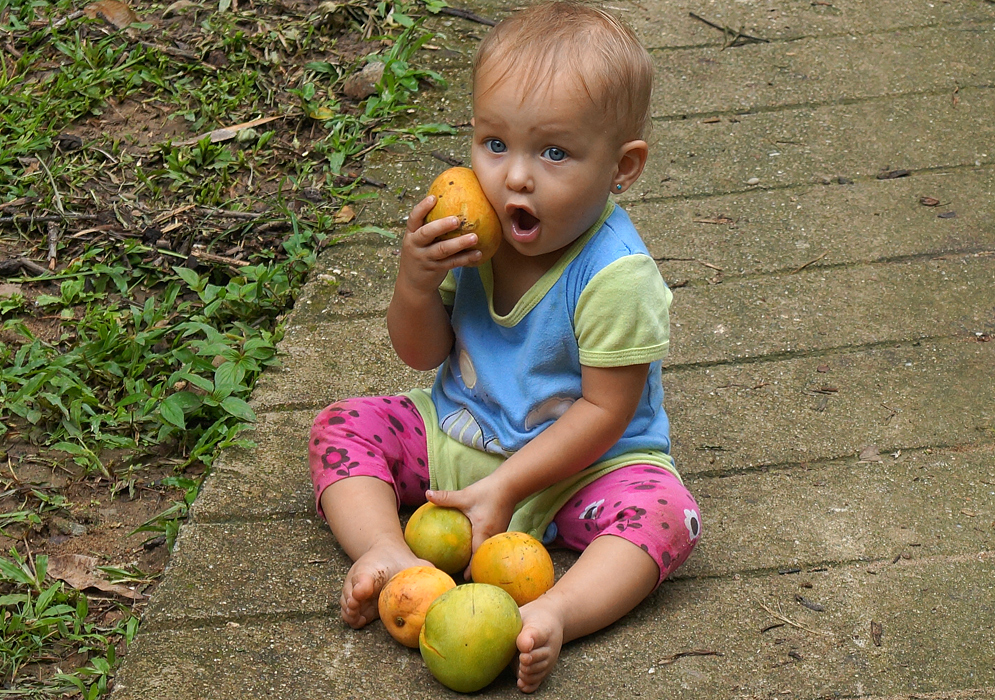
(623, 315)
(447, 290)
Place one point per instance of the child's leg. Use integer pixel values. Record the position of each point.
(609, 579)
(367, 456)
(654, 524)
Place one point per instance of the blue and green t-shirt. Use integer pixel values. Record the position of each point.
(508, 378)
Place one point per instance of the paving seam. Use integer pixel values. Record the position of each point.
(824, 462)
(831, 565)
(834, 351)
(966, 694)
(945, 254)
(846, 101)
(805, 186)
(840, 35)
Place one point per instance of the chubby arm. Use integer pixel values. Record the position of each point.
(586, 431)
(417, 320)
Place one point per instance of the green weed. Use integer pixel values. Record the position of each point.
(145, 356)
(37, 619)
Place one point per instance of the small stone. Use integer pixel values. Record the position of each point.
(361, 85)
(753, 181)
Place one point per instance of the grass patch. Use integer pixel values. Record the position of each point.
(148, 269)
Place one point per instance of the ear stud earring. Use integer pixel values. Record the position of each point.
(618, 187)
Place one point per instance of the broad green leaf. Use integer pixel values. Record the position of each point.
(239, 408)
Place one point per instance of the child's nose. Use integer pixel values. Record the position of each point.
(519, 177)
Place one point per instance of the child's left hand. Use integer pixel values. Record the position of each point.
(489, 512)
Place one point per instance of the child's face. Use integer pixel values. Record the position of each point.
(546, 161)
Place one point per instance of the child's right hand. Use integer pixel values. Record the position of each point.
(424, 260)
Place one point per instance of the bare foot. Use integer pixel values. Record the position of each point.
(367, 577)
(539, 644)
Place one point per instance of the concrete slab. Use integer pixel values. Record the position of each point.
(350, 279)
(918, 504)
(822, 308)
(666, 23)
(780, 230)
(935, 615)
(897, 397)
(789, 147)
(266, 481)
(295, 567)
(844, 67)
(323, 363)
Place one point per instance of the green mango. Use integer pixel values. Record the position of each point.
(469, 635)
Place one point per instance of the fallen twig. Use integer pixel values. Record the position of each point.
(54, 234)
(170, 214)
(349, 178)
(695, 260)
(447, 159)
(813, 260)
(228, 213)
(30, 218)
(738, 37)
(791, 622)
(15, 202)
(12, 51)
(12, 266)
(694, 652)
(175, 52)
(466, 14)
(68, 18)
(220, 259)
(721, 219)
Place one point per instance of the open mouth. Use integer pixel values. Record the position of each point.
(525, 226)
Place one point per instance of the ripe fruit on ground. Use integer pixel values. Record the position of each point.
(458, 194)
(405, 599)
(440, 535)
(515, 561)
(470, 635)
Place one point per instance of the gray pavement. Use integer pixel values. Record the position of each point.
(831, 385)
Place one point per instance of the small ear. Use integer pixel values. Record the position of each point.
(631, 161)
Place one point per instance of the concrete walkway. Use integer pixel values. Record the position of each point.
(831, 386)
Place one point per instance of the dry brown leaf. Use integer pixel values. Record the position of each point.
(226, 133)
(876, 631)
(177, 7)
(929, 201)
(344, 215)
(870, 454)
(78, 571)
(112, 11)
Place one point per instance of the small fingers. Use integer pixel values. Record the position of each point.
(457, 252)
(418, 213)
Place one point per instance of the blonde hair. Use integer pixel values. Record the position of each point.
(544, 40)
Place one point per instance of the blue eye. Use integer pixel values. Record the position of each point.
(554, 154)
(495, 146)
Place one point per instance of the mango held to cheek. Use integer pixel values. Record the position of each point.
(458, 194)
